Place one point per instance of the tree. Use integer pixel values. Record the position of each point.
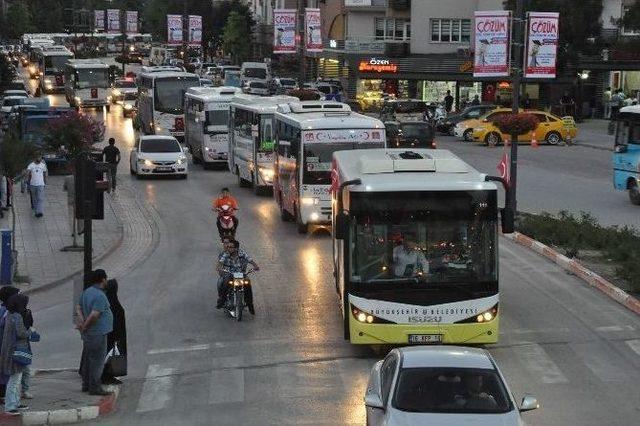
(19, 18)
(47, 15)
(7, 72)
(214, 23)
(74, 132)
(235, 38)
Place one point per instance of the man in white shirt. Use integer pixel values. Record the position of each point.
(37, 174)
(408, 261)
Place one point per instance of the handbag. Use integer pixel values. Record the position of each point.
(116, 363)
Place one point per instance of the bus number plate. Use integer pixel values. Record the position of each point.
(425, 338)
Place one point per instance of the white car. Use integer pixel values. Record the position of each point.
(156, 155)
(7, 103)
(441, 385)
(256, 88)
(15, 92)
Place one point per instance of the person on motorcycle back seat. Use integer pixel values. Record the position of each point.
(225, 198)
(233, 259)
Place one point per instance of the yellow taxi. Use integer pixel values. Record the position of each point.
(464, 129)
(551, 129)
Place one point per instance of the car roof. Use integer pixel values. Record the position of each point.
(446, 357)
(157, 137)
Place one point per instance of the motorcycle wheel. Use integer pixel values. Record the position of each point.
(238, 296)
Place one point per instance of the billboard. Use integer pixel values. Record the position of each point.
(98, 20)
(174, 29)
(113, 20)
(132, 21)
(312, 30)
(542, 45)
(492, 33)
(195, 30)
(284, 31)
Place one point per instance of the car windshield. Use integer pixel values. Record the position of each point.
(418, 130)
(159, 145)
(87, 78)
(324, 89)
(124, 84)
(451, 390)
(424, 239)
(628, 132)
(318, 157)
(257, 85)
(55, 64)
(255, 72)
(287, 82)
(169, 93)
(11, 102)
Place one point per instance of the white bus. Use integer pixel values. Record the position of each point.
(159, 55)
(307, 134)
(206, 123)
(251, 139)
(87, 83)
(161, 101)
(51, 63)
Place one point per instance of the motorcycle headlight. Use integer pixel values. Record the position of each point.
(238, 282)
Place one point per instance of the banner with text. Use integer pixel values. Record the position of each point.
(113, 20)
(98, 20)
(542, 45)
(195, 30)
(174, 29)
(491, 44)
(312, 30)
(132, 21)
(284, 31)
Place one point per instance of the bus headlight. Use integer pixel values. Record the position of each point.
(309, 201)
(487, 315)
(362, 316)
(267, 173)
(314, 216)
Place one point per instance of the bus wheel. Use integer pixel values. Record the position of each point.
(634, 194)
(302, 228)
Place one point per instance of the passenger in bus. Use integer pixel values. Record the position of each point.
(408, 260)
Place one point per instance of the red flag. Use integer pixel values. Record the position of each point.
(335, 177)
(504, 166)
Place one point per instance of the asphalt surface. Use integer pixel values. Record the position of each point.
(576, 350)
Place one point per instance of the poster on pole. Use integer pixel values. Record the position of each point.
(542, 45)
(284, 31)
(492, 33)
(312, 30)
(113, 20)
(174, 29)
(195, 30)
(132, 21)
(98, 20)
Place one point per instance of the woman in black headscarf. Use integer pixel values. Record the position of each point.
(5, 293)
(119, 334)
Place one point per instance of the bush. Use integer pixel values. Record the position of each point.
(75, 132)
(519, 124)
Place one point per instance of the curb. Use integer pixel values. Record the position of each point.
(574, 267)
(598, 147)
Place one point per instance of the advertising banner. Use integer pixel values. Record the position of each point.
(98, 20)
(195, 30)
(491, 43)
(312, 30)
(132, 21)
(284, 31)
(174, 29)
(113, 20)
(542, 45)
(350, 136)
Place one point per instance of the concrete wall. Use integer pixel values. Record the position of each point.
(331, 12)
(362, 24)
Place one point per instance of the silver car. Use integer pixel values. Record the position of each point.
(441, 385)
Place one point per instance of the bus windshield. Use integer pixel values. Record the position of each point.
(217, 118)
(55, 64)
(260, 73)
(169, 93)
(87, 78)
(424, 238)
(318, 157)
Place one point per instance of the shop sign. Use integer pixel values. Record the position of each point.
(542, 45)
(357, 2)
(492, 30)
(378, 65)
(364, 46)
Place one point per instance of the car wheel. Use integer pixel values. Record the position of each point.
(138, 175)
(467, 136)
(553, 138)
(492, 139)
(634, 194)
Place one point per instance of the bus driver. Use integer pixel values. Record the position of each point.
(408, 261)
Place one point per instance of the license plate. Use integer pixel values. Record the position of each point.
(164, 169)
(425, 338)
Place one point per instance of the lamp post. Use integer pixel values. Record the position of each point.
(301, 58)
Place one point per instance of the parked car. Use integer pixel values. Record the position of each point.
(475, 111)
(158, 155)
(441, 385)
(464, 129)
(410, 134)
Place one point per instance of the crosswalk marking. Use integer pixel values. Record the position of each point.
(156, 391)
(634, 345)
(537, 361)
(226, 386)
(605, 363)
(203, 347)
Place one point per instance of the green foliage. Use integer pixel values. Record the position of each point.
(18, 19)
(234, 38)
(7, 72)
(47, 15)
(216, 20)
(15, 155)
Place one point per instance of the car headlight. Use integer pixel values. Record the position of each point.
(309, 201)
(48, 80)
(181, 160)
(78, 100)
(128, 107)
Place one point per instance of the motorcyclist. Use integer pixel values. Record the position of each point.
(225, 198)
(233, 259)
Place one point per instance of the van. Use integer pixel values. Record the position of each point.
(252, 71)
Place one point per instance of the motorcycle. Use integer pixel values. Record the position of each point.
(235, 303)
(226, 224)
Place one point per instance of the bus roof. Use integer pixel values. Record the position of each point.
(87, 63)
(392, 170)
(631, 109)
(325, 115)
(261, 104)
(207, 94)
(159, 68)
(56, 50)
(168, 74)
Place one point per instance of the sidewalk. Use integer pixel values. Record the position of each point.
(593, 134)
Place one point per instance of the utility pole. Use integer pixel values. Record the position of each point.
(123, 30)
(185, 30)
(301, 58)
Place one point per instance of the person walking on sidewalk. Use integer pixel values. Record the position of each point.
(5, 293)
(111, 155)
(37, 175)
(95, 321)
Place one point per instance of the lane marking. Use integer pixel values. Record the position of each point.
(613, 328)
(156, 389)
(202, 347)
(540, 364)
(226, 386)
(634, 345)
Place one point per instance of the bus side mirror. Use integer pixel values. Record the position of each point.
(341, 226)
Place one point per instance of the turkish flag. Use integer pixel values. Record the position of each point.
(503, 167)
(335, 177)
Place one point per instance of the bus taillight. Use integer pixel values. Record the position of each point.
(179, 124)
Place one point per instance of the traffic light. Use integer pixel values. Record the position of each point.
(90, 185)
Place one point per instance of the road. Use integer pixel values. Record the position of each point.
(576, 350)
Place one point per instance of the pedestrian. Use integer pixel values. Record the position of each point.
(568, 104)
(118, 335)
(475, 101)
(111, 155)
(15, 336)
(606, 103)
(616, 103)
(95, 321)
(5, 293)
(76, 226)
(448, 102)
(37, 176)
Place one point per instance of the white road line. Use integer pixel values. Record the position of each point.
(226, 386)
(538, 362)
(202, 347)
(634, 345)
(614, 328)
(156, 389)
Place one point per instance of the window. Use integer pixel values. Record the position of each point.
(450, 30)
(392, 29)
(387, 372)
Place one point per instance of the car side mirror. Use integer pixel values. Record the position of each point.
(529, 402)
(372, 399)
(185, 149)
(620, 149)
(373, 394)
(341, 225)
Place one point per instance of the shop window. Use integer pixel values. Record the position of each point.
(451, 30)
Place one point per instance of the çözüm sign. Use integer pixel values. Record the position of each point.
(492, 33)
(542, 45)
(378, 65)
